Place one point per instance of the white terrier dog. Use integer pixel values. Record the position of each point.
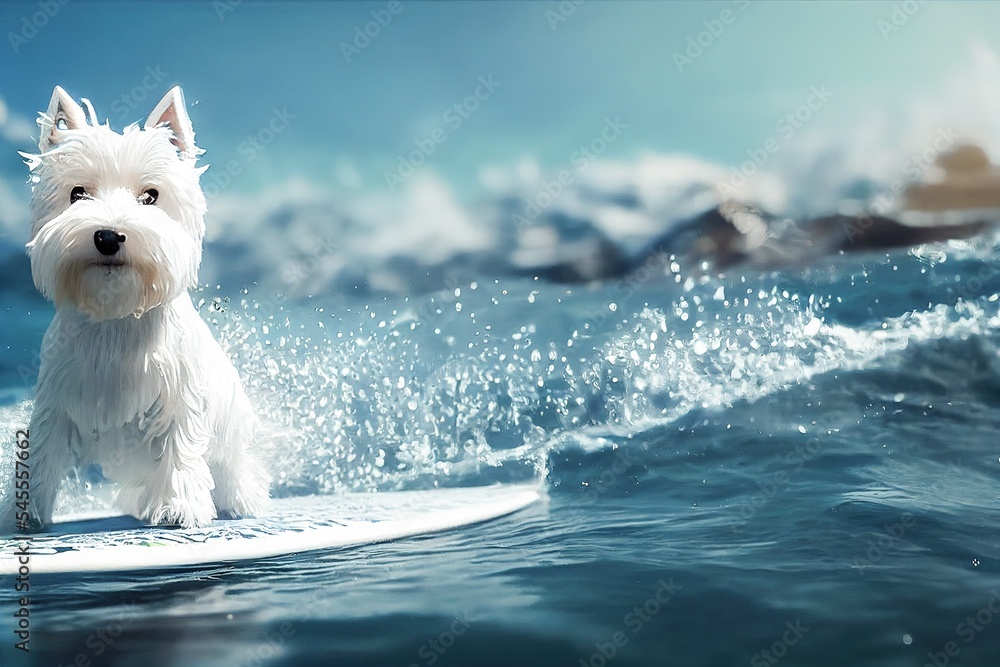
(131, 377)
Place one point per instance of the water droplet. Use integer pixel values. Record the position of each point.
(812, 328)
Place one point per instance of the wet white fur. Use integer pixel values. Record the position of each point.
(131, 377)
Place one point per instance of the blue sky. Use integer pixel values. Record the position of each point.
(559, 81)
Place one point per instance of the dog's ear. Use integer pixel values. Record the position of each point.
(63, 114)
(172, 113)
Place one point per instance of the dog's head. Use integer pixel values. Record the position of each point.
(117, 219)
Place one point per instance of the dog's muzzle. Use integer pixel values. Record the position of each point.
(108, 241)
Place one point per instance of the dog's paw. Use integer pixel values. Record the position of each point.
(242, 493)
(181, 513)
(193, 509)
(247, 502)
(11, 526)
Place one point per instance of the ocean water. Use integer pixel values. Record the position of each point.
(741, 466)
(797, 465)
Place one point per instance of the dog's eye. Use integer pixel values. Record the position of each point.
(76, 194)
(149, 197)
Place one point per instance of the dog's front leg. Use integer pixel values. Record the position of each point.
(179, 490)
(38, 477)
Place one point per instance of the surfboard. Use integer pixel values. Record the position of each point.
(82, 543)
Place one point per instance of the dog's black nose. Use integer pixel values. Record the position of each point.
(108, 241)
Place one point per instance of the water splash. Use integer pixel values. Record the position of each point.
(385, 403)
(480, 383)
(432, 394)
(752, 346)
